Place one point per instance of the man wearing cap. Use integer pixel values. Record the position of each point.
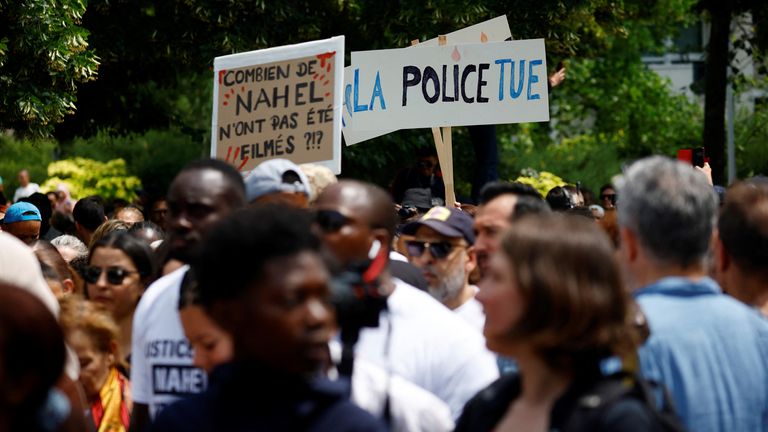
(277, 181)
(22, 220)
(416, 338)
(442, 250)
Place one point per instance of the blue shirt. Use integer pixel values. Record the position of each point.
(710, 350)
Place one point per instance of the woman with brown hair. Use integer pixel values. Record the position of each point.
(120, 267)
(61, 278)
(555, 302)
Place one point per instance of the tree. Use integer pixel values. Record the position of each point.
(146, 45)
(719, 56)
(43, 55)
(152, 51)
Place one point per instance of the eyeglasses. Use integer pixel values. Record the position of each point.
(439, 250)
(330, 220)
(611, 197)
(115, 275)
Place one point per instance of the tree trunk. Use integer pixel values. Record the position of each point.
(716, 82)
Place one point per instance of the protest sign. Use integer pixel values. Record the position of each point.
(452, 85)
(494, 30)
(282, 102)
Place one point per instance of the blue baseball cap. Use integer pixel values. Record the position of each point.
(22, 211)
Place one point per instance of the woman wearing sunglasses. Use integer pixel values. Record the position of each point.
(120, 267)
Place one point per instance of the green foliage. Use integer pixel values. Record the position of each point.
(155, 156)
(751, 139)
(625, 98)
(542, 181)
(19, 154)
(151, 104)
(43, 55)
(147, 46)
(589, 159)
(85, 177)
(608, 111)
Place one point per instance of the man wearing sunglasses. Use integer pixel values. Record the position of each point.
(417, 337)
(200, 196)
(442, 250)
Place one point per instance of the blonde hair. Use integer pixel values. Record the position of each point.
(106, 228)
(78, 314)
(320, 177)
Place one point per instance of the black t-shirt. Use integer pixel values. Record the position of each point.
(626, 414)
(256, 398)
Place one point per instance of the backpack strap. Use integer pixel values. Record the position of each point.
(582, 407)
(584, 410)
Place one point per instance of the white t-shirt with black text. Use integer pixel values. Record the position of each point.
(161, 359)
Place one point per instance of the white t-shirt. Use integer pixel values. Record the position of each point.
(472, 312)
(411, 407)
(429, 346)
(161, 360)
(25, 191)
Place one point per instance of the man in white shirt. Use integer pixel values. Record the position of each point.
(417, 337)
(442, 249)
(25, 188)
(161, 367)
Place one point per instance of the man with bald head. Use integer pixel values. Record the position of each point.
(417, 337)
(201, 195)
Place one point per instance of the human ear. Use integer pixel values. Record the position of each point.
(471, 263)
(380, 244)
(68, 286)
(629, 244)
(722, 259)
(111, 356)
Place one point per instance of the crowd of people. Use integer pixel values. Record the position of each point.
(291, 300)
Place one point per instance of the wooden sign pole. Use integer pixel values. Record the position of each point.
(444, 147)
(447, 142)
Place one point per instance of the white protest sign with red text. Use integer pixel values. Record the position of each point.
(282, 102)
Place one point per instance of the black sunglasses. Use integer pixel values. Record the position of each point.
(115, 275)
(611, 197)
(330, 220)
(439, 250)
